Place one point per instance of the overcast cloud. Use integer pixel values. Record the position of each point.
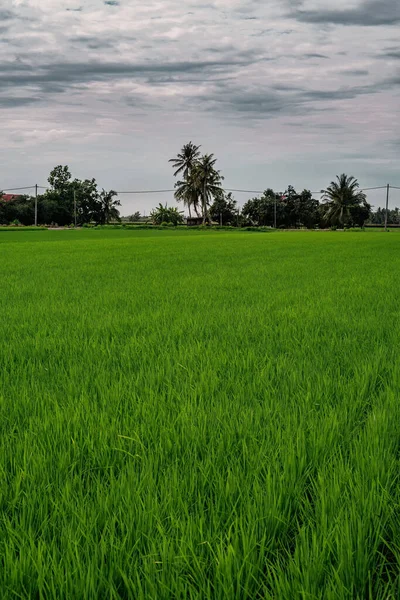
(283, 92)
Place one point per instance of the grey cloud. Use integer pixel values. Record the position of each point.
(8, 102)
(6, 15)
(391, 54)
(340, 94)
(368, 13)
(392, 82)
(355, 72)
(159, 76)
(224, 94)
(277, 99)
(67, 74)
(315, 55)
(96, 43)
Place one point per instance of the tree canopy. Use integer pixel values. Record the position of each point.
(200, 188)
(166, 215)
(201, 183)
(65, 198)
(345, 203)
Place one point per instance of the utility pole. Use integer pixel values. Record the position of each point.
(75, 207)
(387, 206)
(275, 213)
(220, 219)
(36, 192)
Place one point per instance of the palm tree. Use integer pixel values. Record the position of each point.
(184, 163)
(166, 214)
(185, 159)
(341, 197)
(108, 206)
(188, 192)
(208, 181)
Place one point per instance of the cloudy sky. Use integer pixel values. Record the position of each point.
(282, 91)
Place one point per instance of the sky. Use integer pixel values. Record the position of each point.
(281, 91)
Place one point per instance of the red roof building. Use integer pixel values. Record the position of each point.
(8, 197)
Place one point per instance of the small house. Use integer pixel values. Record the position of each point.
(194, 221)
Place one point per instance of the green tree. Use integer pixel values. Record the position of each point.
(188, 192)
(299, 209)
(166, 214)
(184, 163)
(135, 217)
(261, 211)
(108, 210)
(59, 200)
(224, 209)
(58, 204)
(60, 178)
(88, 204)
(19, 208)
(345, 203)
(207, 179)
(186, 159)
(378, 217)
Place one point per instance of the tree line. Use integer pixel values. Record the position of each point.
(66, 201)
(199, 187)
(200, 190)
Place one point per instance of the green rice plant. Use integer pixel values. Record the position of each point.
(199, 414)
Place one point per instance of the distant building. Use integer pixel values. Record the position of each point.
(194, 221)
(8, 197)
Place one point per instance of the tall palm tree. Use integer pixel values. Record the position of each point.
(341, 197)
(184, 163)
(186, 159)
(208, 181)
(187, 192)
(108, 206)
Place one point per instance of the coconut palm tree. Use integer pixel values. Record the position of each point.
(187, 192)
(185, 159)
(208, 181)
(184, 163)
(341, 197)
(108, 206)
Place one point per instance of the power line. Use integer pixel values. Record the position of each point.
(381, 187)
(165, 191)
(259, 191)
(240, 191)
(245, 191)
(146, 192)
(29, 187)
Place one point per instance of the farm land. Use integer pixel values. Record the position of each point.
(199, 415)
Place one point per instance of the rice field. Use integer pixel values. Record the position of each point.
(199, 415)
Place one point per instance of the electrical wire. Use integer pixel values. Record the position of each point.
(29, 187)
(165, 191)
(381, 187)
(146, 192)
